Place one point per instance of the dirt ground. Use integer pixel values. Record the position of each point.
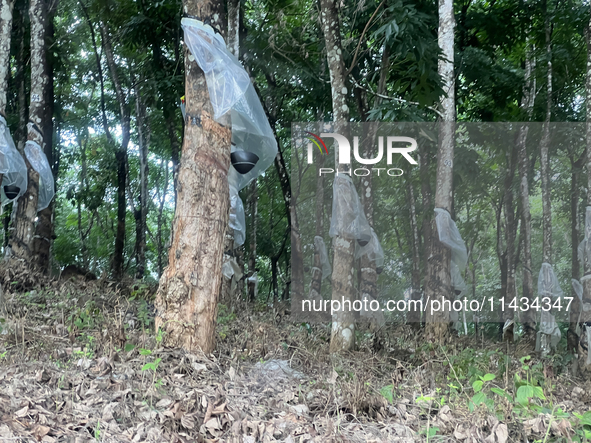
(79, 362)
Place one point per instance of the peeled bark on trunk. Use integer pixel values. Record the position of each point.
(438, 285)
(187, 298)
(528, 318)
(120, 155)
(27, 204)
(343, 323)
(5, 34)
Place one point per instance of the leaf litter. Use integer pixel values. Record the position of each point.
(71, 371)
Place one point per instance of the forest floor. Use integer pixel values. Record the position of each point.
(79, 362)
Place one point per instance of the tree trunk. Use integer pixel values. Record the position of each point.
(414, 315)
(572, 338)
(252, 259)
(508, 315)
(159, 237)
(528, 317)
(316, 281)
(438, 286)
(187, 298)
(81, 233)
(368, 275)
(142, 216)
(343, 324)
(5, 34)
(27, 204)
(21, 68)
(544, 160)
(120, 155)
(44, 229)
(234, 27)
(586, 280)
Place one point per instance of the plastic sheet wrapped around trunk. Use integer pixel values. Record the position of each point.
(548, 285)
(584, 249)
(348, 219)
(230, 90)
(457, 282)
(320, 246)
(450, 236)
(373, 250)
(549, 334)
(237, 219)
(39, 162)
(226, 78)
(251, 132)
(12, 167)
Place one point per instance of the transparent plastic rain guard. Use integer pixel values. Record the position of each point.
(457, 282)
(373, 250)
(237, 219)
(324, 262)
(230, 90)
(39, 163)
(450, 236)
(582, 249)
(548, 286)
(348, 219)
(12, 164)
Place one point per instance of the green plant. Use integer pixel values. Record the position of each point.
(479, 396)
(97, 430)
(152, 366)
(144, 315)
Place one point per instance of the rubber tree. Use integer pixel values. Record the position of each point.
(438, 283)
(529, 93)
(41, 244)
(6, 7)
(343, 323)
(545, 171)
(586, 279)
(187, 297)
(121, 154)
(27, 203)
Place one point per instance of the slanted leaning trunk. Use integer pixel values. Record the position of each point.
(120, 155)
(186, 300)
